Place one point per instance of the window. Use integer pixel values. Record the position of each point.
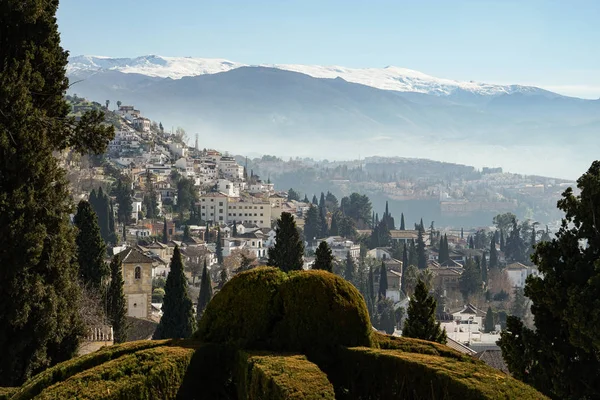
(212, 200)
(261, 214)
(221, 203)
(261, 207)
(203, 214)
(138, 273)
(220, 218)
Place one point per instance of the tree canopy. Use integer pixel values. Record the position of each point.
(288, 252)
(323, 257)
(90, 247)
(420, 322)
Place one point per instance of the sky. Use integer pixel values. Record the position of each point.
(546, 43)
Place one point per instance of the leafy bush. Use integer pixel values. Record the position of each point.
(362, 372)
(154, 373)
(410, 345)
(321, 310)
(63, 371)
(245, 310)
(7, 392)
(263, 376)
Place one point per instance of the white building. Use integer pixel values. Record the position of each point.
(221, 209)
(254, 245)
(128, 112)
(227, 187)
(518, 273)
(185, 166)
(229, 168)
(142, 124)
(178, 149)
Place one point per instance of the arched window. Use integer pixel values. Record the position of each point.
(138, 273)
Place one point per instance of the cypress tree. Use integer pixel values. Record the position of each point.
(334, 229)
(322, 218)
(383, 282)
(350, 268)
(165, 236)
(206, 292)
(93, 199)
(489, 320)
(311, 224)
(421, 256)
(39, 311)
(305, 199)
(402, 226)
(186, 234)
(371, 292)
(323, 257)
(288, 251)
(405, 265)
(111, 226)
(117, 309)
(412, 254)
(315, 201)
(234, 231)
(493, 254)
(178, 315)
(103, 212)
(124, 199)
(207, 233)
(484, 269)
(420, 321)
(462, 233)
(322, 201)
(219, 248)
(90, 247)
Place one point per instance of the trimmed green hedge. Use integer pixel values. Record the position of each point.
(364, 373)
(321, 310)
(245, 310)
(7, 392)
(63, 371)
(264, 376)
(155, 373)
(410, 345)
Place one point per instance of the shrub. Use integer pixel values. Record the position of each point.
(245, 310)
(263, 376)
(209, 375)
(362, 372)
(63, 371)
(154, 373)
(321, 310)
(7, 392)
(411, 345)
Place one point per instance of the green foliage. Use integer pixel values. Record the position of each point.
(385, 318)
(561, 356)
(293, 195)
(520, 304)
(358, 208)
(6, 393)
(90, 247)
(420, 322)
(489, 320)
(420, 247)
(391, 374)
(122, 191)
(187, 195)
(150, 199)
(350, 269)
(419, 346)
(219, 248)
(287, 253)
(178, 316)
(165, 235)
(262, 376)
(206, 292)
(331, 313)
(470, 280)
(323, 257)
(383, 282)
(117, 308)
(311, 224)
(245, 310)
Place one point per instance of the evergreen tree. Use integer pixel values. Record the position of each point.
(413, 258)
(471, 242)
(178, 314)
(311, 224)
(519, 305)
(322, 201)
(493, 254)
(234, 231)
(323, 257)
(444, 253)
(315, 201)
(484, 269)
(489, 320)
(421, 256)
(219, 248)
(93, 199)
(293, 195)
(165, 237)
(90, 247)
(402, 226)
(322, 221)
(331, 202)
(462, 233)
(470, 280)
(124, 199)
(39, 312)
(117, 308)
(502, 244)
(420, 322)
(405, 265)
(111, 226)
(287, 253)
(350, 268)
(334, 230)
(371, 292)
(383, 282)
(305, 199)
(207, 233)
(206, 291)
(186, 234)
(515, 248)
(386, 317)
(150, 198)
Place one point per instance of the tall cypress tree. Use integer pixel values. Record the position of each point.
(165, 236)
(493, 254)
(178, 315)
(111, 226)
(315, 201)
(117, 309)
(350, 268)
(323, 257)
(219, 248)
(288, 252)
(413, 258)
(489, 320)
(334, 229)
(371, 292)
(405, 265)
(420, 322)
(421, 256)
(90, 247)
(484, 269)
(206, 292)
(402, 226)
(39, 311)
(502, 243)
(234, 231)
(383, 282)
(311, 224)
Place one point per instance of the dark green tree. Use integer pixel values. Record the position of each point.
(111, 226)
(150, 199)
(493, 254)
(405, 265)
(322, 221)
(305, 199)
(470, 280)
(122, 191)
(178, 314)
(347, 228)
(91, 249)
(219, 248)
(165, 236)
(413, 258)
(117, 308)
(402, 226)
(234, 231)
(206, 292)
(370, 295)
(102, 210)
(383, 282)
(187, 195)
(502, 243)
(323, 257)
(331, 202)
(519, 304)
(489, 320)
(39, 310)
(288, 251)
(334, 229)
(315, 201)
(421, 256)
(350, 270)
(293, 195)
(484, 269)
(386, 316)
(420, 321)
(186, 233)
(311, 224)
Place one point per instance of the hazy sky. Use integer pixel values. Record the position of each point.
(552, 44)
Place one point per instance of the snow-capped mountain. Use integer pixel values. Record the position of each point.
(388, 78)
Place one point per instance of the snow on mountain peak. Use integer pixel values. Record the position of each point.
(388, 78)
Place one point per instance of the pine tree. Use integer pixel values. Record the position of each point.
(383, 282)
(323, 257)
(288, 251)
(90, 247)
(334, 230)
(420, 321)
(421, 256)
(315, 201)
(402, 226)
(489, 320)
(219, 248)
(350, 268)
(178, 315)
(311, 224)
(305, 199)
(39, 315)
(117, 308)
(165, 237)
(206, 292)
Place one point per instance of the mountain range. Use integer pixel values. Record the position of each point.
(377, 110)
